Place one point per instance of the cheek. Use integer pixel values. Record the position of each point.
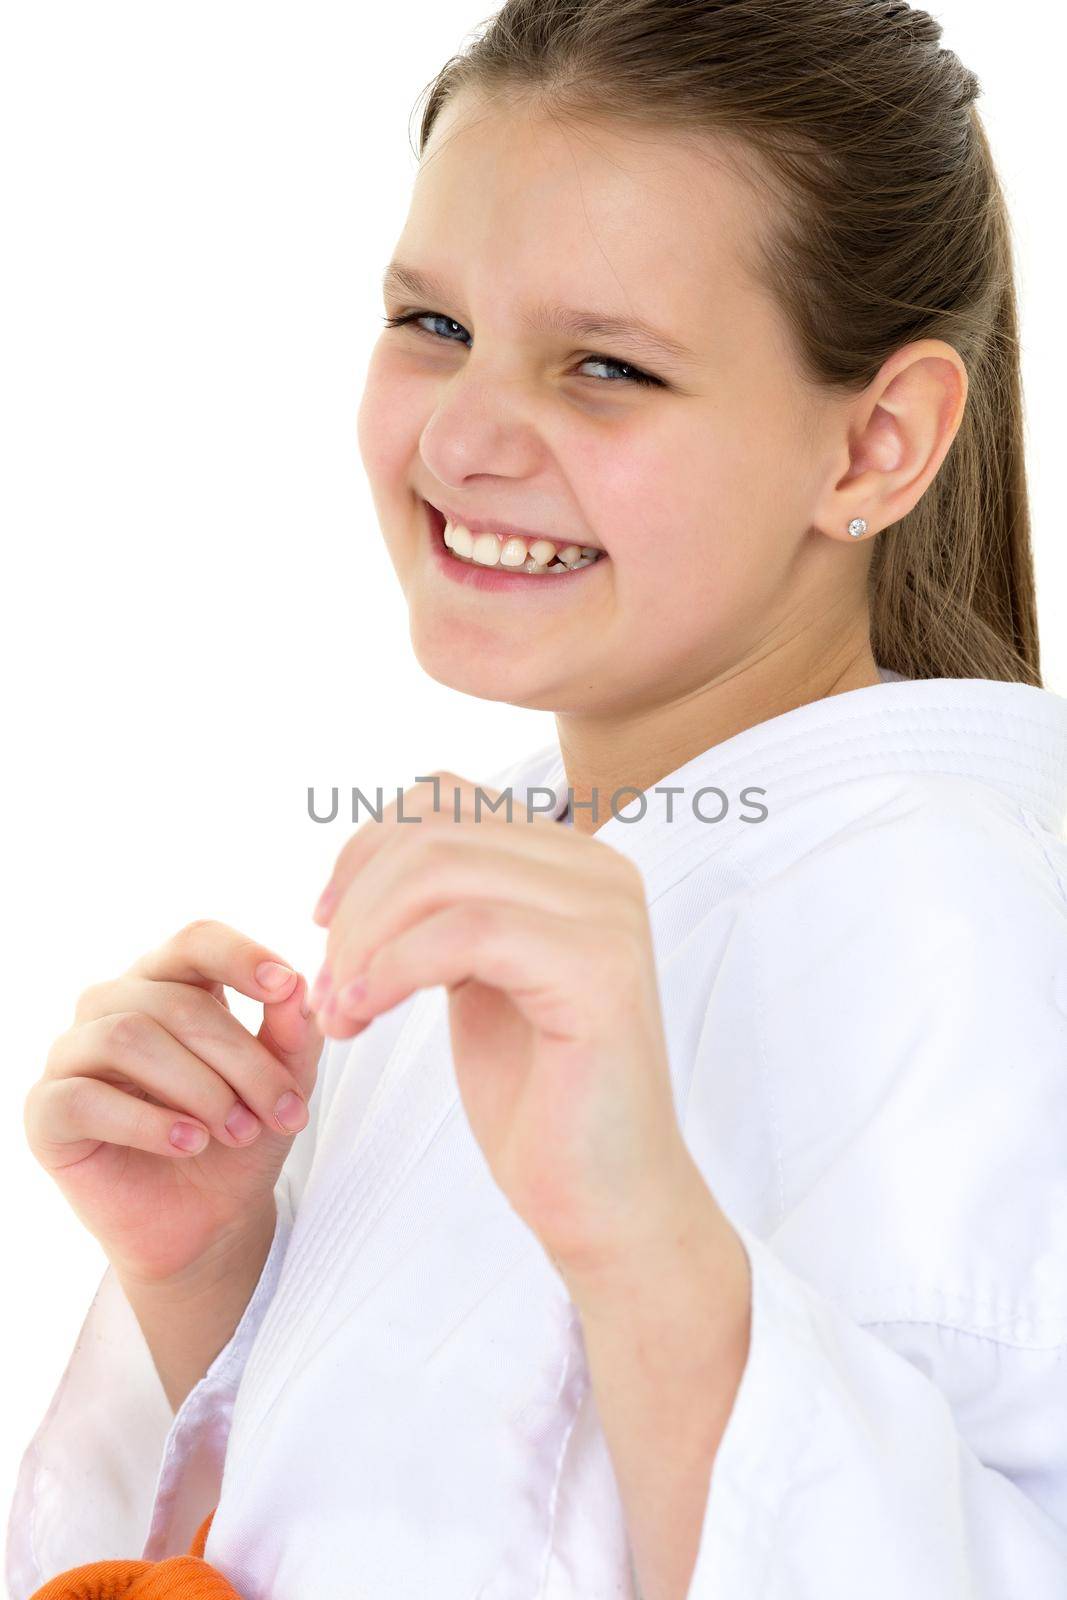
(692, 515)
(674, 506)
(388, 424)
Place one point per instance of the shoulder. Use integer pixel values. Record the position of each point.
(911, 999)
(925, 867)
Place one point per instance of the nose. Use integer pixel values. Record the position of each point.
(481, 425)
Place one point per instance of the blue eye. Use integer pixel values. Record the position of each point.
(413, 316)
(630, 373)
(424, 316)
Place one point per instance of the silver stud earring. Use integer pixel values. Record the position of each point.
(857, 527)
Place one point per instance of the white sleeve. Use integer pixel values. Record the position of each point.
(843, 1471)
(112, 1472)
(901, 1424)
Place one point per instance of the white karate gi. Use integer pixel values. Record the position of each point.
(865, 999)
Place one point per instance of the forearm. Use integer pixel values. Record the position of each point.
(186, 1321)
(666, 1337)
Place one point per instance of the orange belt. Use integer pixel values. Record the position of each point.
(187, 1577)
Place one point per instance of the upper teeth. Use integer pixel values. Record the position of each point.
(532, 555)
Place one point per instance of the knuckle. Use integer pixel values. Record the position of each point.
(77, 1097)
(633, 918)
(350, 851)
(57, 1053)
(624, 952)
(443, 790)
(142, 1123)
(237, 939)
(476, 922)
(246, 950)
(196, 931)
(629, 874)
(31, 1103)
(127, 1032)
(185, 1014)
(88, 1001)
(435, 819)
(435, 851)
(267, 1079)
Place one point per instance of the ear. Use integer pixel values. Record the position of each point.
(896, 435)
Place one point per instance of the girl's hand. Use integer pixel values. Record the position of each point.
(156, 1050)
(541, 937)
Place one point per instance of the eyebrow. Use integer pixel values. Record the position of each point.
(545, 318)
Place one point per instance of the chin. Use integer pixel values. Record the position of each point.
(510, 681)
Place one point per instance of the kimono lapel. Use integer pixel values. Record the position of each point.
(350, 1188)
(351, 1231)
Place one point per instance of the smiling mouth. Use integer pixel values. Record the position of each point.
(510, 552)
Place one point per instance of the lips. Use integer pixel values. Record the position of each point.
(501, 578)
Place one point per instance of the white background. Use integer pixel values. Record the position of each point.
(199, 617)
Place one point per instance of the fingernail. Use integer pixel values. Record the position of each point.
(353, 994)
(290, 1113)
(325, 904)
(320, 988)
(242, 1123)
(186, 1136)
(305, 1005)
(273, 975)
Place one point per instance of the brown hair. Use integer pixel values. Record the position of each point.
(892, 227)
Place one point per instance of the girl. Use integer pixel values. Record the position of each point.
(680, 1205)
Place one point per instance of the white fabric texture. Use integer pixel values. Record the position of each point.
(865, 1000)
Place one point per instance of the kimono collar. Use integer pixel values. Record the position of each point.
(1009, 736)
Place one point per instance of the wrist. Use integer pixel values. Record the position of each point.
(230, 1257)
(685, 1244)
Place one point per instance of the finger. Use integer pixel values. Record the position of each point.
(413, 876)
(206, 953)
(290, 1033)
(132, 1048)
(68, 1118)
(328, 1020)
(543, 961)
(440, 796)
(259, 1076)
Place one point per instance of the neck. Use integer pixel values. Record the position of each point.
(636, 748)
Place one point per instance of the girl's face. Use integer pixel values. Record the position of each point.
(695, 466)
